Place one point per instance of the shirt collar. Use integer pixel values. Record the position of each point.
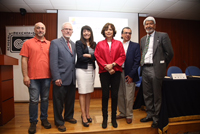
(152, 35)
(40, 40)
(111, 40)
(65, 39)
(126, 43)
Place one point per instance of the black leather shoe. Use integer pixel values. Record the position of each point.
(85, 124)
(146, 119)
(89, 120)
(46, 124)
(154, 125)
(114, 123)
(32, 128)
(104, 124)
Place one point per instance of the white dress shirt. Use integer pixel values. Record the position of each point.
(125, 45)
(148, 59)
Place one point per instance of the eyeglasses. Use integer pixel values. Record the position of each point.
(127, 33)
(67, 29)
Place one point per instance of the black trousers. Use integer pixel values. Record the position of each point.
(63, 98)
(109, 82)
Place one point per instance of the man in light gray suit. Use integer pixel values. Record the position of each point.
(62, 64)
(157, 52)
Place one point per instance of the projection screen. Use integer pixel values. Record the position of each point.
(96, 20)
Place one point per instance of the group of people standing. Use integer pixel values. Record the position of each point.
(118, 63)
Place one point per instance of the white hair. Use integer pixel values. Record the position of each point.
(148, 19)
(65, 24)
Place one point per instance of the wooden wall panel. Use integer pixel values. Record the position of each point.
(16, 19)
(184, 35)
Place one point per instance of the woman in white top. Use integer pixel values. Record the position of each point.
(85, 71)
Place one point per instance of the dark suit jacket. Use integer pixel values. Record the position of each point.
(162, 52)
(62, 62)
(82, 62)
(132, 61)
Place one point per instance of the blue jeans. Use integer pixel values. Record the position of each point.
(39, 87)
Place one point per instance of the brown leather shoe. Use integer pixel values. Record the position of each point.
(120, 117)
(62, 128)
(73, 121)
(46, 124)
(129, 121)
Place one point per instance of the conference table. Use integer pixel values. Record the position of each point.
(180, 101)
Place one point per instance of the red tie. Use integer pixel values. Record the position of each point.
(69, 47)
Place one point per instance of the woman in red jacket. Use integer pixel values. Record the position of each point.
(110, 56)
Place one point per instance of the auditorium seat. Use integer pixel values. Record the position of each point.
(138, 83)
(192, 70)
(173, 69)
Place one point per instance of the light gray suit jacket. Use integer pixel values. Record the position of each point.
(162, 52)
(62, 62)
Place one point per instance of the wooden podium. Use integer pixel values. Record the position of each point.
(6, 88)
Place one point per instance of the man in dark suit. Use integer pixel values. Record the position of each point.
(129, 76)
(62, 65)
(157, 52)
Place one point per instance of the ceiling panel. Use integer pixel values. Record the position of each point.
(40, 8)
(63, 2)
(134, 10)
(3, 9)
(38, 2)
(150, 12)
(137, 4)
(166, 14)
(65, 7)
(12, 2)
(16, 7)
(180, 9)
(160, 5)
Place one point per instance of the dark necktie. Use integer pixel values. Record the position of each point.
(145, 50)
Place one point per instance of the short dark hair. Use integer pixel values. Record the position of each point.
(105, 27)
(91, 39)
(123, 30)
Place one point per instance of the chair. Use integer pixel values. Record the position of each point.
(192, 70)
(138, 83)
(173, 69)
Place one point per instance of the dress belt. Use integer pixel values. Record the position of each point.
(148, 65)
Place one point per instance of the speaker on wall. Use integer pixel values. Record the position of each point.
(22, 11)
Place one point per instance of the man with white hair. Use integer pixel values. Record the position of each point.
(157, 52)
(62, 64)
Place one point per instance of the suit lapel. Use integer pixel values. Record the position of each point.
(143, 42)
(65, 45)
(129, 48)
(155, 42)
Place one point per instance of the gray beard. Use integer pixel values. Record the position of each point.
(150, 31)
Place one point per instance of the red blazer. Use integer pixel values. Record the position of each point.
(105, 56)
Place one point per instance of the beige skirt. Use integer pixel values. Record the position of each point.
(85, 79)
